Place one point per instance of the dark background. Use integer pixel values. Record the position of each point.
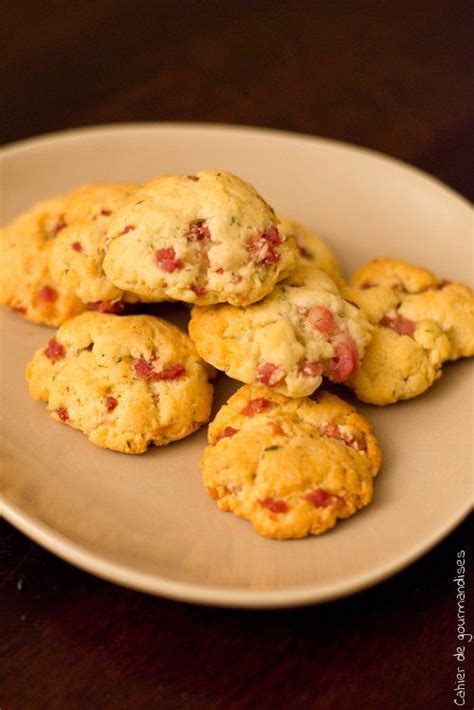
(394, 76)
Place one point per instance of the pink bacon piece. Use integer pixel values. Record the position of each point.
(226, 433)
(167, 260)
(110, 403)
(346, 359)
(144, 370)
(269, 374)
(333, 431)
(262, 246)
(62, 413)
(399, 324)
(48, 294)
(255, 406)
(54, 350)
(275, 506)
(319, 498)
(322, 319)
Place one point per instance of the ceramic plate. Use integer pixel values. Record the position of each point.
(145, 521)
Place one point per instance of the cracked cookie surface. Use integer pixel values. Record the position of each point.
(287, 341)
(420, 323)
(125, 381)
(204, 238)
(291, 467)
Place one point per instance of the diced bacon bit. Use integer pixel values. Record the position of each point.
(77, 246)
(255, 406)
(319, 497)
(356, 442)
(166, 259)
(110, 403)
(400, 324)
(225, 433)
(198, 230)
(261, 246)
(275, 506)
(367, 284)
(198, 290)
(19, 309)
(54, 350)
(306, 253)
(106, 213)
(48, 294)
(220, 270)
(310, 369)
(322, 319)
(63, 414)
(116, 307)
(127, 229)
(60, 224)
(145, 370)
(173, 372)
(346, 359)
(192, 177)
(269, 374)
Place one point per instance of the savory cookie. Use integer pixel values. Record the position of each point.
(78, 251)
(313, 253)
(205, 238)
(26, 284)
(420, 322)
(289, 340)
(290, 466)
(126, 382)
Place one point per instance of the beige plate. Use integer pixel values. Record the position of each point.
(145, 521)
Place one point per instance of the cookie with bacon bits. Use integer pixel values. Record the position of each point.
(126, 382)
(420, 323)
(27, 285)
(205, 238)
(313, 253)
(293, 467)
(289, 340)
(78, 251)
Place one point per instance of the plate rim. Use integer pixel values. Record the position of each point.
(78, 555)
(74, 554)
(44, 138)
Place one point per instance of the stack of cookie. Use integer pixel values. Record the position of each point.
(270, 308)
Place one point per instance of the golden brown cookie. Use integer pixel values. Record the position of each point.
(420, 323)
(287, 341)
(292, 467)
(314, 253)
(26, 284)
(78, 251)
(204, 238)
(126, 382)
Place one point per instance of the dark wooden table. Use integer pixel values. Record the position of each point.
(392, 76)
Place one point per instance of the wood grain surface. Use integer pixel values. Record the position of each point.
(396, 77)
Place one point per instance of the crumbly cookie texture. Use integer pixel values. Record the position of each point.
(26, 283)
(205, 238)
(287, 341)
(78, 251)
(314, 253)
(290, 466)
(420, 323)
(125, 381)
